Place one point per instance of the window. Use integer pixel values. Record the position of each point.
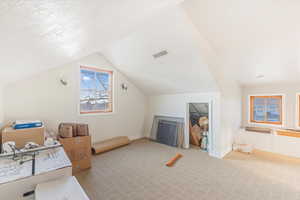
(266, 109)
(95, 90)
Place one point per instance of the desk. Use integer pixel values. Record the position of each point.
(17, 180)
(61, 189)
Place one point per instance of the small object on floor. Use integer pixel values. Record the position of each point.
(60, 189)
(173, 160)
(110, 144)
(245, 148)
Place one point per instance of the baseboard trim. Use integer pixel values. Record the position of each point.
(227, 151)
(138, 139)
(222, 154)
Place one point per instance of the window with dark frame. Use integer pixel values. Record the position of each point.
(95, 90)
(266, 109)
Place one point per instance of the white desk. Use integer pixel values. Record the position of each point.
(61, 189)
(16, 179)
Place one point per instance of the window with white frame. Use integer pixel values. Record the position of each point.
(95, 90)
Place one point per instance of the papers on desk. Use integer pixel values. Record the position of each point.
(11, 170)
(46, 161)
(51, 160)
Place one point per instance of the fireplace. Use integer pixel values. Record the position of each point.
(168, 130)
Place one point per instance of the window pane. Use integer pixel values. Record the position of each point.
(273, 109)
(103, 80)
(259, 109)
(87, 79)
(103, 88)
(95, 91)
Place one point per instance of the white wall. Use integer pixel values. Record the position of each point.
(229, 88)
(231, 114)
(290, 102)
(175, 105)
(44, 97)
(270, 142)
(1, 105)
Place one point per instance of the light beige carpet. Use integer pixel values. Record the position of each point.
(138, 172)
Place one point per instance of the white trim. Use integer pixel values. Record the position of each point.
(211, 137)
(297, 113)
(210, 129)
(266, 124)
(114, 92)
(186, 128)
(222, 154)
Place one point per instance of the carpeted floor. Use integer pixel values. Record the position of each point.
(137, 172)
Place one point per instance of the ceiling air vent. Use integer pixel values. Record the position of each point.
(160, 54)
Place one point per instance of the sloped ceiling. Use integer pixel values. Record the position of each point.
(251, 38)
(248, 39)
(36, 35)
(183, 69)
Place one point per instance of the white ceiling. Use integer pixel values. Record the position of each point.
(182, 70)
(250, 38)
(36, 35)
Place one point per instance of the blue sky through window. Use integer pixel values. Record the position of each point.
(267, 109)
(259, 109)
(94, 80)
(95, 90)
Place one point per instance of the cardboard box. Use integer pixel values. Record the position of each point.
(77, 130)
(78, 150)
(22, 136)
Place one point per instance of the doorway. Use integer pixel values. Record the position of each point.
(199, 125)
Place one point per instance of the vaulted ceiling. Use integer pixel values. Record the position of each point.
(36, 35)
(183, 69)
(251, 38)
(245, 39)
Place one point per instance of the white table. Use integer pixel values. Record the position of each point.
(17, 180)
(61, 189)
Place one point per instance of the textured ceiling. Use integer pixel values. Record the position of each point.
(36, 35)
(247, 38)
(183, 69)
(251, 38)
